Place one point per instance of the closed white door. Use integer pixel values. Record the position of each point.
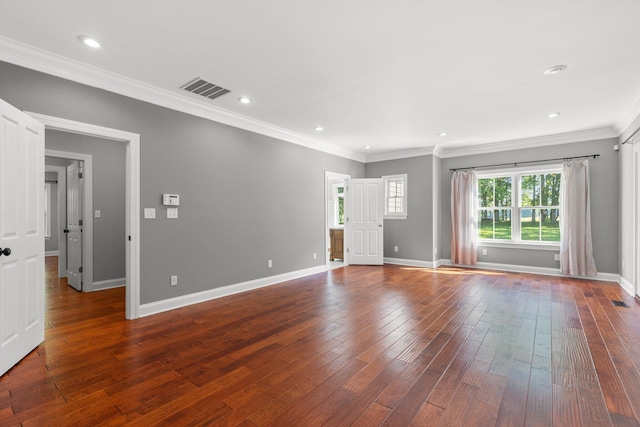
(74, 225)
(364, 225)
(21, 235)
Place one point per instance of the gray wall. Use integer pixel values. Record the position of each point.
(604, 202)
(244, 197)
(413, 235)
(51, 245)
(109, 180)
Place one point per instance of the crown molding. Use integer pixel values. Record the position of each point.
(535, 142)
(401, 154)
(46, 62)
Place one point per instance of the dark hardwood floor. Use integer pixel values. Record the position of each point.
(364, 346)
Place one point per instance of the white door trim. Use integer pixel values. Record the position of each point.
(328, 175)
(636, 219)
(87, 225)
(62, 241)
(132, 220)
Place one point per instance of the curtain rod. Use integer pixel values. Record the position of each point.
(630, 139)
(515, 164)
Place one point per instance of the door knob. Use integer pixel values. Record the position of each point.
(65, 231)
(5, 251)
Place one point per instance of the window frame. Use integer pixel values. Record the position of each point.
(386, 180)
(516, 173)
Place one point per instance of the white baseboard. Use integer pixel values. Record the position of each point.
(108, 284)
(410, 262)
(627, 286)
(52, 253)
(605, 277)
(198, 297)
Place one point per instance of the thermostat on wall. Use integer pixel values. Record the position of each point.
(170, 199)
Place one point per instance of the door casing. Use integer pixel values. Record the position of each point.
(132, 217)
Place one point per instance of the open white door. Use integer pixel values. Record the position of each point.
(364, 225)
(74, 225)
(21, 235)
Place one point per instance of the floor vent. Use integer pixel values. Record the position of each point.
(619, 303)
(205, 88)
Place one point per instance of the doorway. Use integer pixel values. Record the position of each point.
(335, 209)
(132, 209)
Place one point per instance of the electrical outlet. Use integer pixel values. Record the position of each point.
(97, 213)
(485, 252)
(395, 249)
(315, 255)
(435, 251)
(269, 263)
(172, 213)
(149, 213)
(556, 257)
(174, 280)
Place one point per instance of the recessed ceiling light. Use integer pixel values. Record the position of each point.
(318, 128)
(442, 134)
(555, 69)
(244, 100)
(91, 42)
(367, 147)
(554, 115)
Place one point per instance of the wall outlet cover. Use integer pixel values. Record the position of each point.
(172, 213)
(149, 213)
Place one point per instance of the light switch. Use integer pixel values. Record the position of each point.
(97, 213)
(172, 213)
(149, 213)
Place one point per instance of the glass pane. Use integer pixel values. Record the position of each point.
(530, 194)
(485, 224)
(503, 191)
(494, 224)
(550, 225)
(485, 192)
(550, 184)
(502, 224)
(396, 189)
(341, 210)
(530, 224)
(394, 205)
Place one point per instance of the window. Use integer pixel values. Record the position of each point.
(338, 207)
(519, 206)
(395, 196)
(47, 210)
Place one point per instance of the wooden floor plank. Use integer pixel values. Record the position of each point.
(361, 345)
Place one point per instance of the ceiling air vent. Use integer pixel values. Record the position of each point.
(204, 88)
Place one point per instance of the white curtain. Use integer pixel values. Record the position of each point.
(576, 247)
(464, 235)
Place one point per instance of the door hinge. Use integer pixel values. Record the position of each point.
(347, 250)
(80, 222)
(347, 219)
(129, 238)
(80, 270)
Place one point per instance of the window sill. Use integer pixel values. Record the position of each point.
(537, 246)
(395, 216)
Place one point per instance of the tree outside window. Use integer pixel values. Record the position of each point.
(519, 206)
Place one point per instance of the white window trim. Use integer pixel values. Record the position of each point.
(515, 207)
(385, 180)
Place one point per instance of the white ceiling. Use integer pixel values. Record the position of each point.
(390, 74)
